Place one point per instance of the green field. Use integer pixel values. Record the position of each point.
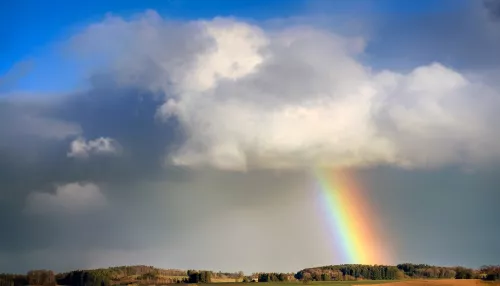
(360, 282)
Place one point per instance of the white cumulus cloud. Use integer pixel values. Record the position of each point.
(81, 148)
(69, 198)
(297, 97)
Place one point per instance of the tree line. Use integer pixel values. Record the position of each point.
(13, 280)
(400, 271)
(428, 271)
(33, 277)
(274, 277)
(490, 272)
(150, 275)
(85, 278)
(347, 272)
(195, 276)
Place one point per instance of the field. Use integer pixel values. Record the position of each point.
(443, 282)
(436, 282)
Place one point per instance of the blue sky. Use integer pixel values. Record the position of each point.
(31, 29)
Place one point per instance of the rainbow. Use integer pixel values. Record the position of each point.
(350, 219)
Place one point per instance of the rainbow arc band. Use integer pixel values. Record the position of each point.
(350, 218)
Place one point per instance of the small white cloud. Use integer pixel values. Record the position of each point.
(80, 148)
(69, 198)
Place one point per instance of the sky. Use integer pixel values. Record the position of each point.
(185, 134)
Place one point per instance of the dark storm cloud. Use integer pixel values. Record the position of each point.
(493, 7)
(33, 158)
(23, 120)
(124, 114)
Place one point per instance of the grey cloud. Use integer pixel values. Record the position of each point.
(118, 113)
(37, 164)
(18, 120)
(493, 7)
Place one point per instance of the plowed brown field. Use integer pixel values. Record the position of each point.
(443, 282)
